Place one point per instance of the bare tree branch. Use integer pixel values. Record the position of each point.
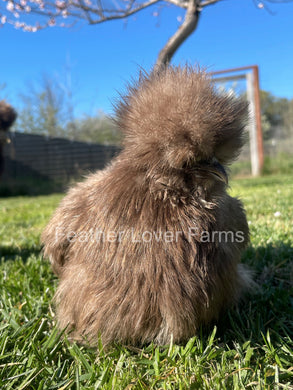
(185, 30)
(123, 13)
(179, 3)
(208, 2)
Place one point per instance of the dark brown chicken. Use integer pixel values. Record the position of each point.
(149, 248)
(7, 117)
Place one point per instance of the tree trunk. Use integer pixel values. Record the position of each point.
(188, 26)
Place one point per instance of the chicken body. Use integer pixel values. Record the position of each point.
(149, 248)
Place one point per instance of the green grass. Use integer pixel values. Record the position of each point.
(250, 348)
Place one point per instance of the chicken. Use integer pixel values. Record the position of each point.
(7, 117)
(149, 248)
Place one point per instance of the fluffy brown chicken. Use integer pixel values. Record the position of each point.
(149, 248)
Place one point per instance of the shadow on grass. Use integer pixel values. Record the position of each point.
(13, 252)
(31, 186)
(269, 306)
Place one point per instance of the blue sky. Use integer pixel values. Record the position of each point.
(104, 57)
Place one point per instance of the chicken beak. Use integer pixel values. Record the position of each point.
(216, 169)
(219, 172)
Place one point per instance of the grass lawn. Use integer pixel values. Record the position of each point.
(250, 348)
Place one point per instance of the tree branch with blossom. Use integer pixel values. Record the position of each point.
(65, 13)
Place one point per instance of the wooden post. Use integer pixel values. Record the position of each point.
(258, 117)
